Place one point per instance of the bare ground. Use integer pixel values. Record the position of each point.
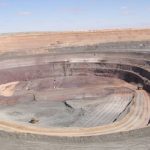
(75, 90)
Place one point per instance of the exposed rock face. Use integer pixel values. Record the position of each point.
(75, 95)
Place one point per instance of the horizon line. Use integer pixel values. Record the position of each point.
(69, 31)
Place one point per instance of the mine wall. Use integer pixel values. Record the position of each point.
(125, 72)
(106, 47)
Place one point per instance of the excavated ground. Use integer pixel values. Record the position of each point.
(84, 97)
(80, 101)
(73, 90)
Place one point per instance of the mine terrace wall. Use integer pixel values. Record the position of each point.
(128, 73)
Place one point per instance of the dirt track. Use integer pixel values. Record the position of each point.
(83, 96)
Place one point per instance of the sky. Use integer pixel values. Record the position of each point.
(72, 15)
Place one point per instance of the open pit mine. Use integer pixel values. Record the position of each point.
(75, 90)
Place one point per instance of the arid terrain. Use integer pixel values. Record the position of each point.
(75, 90)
